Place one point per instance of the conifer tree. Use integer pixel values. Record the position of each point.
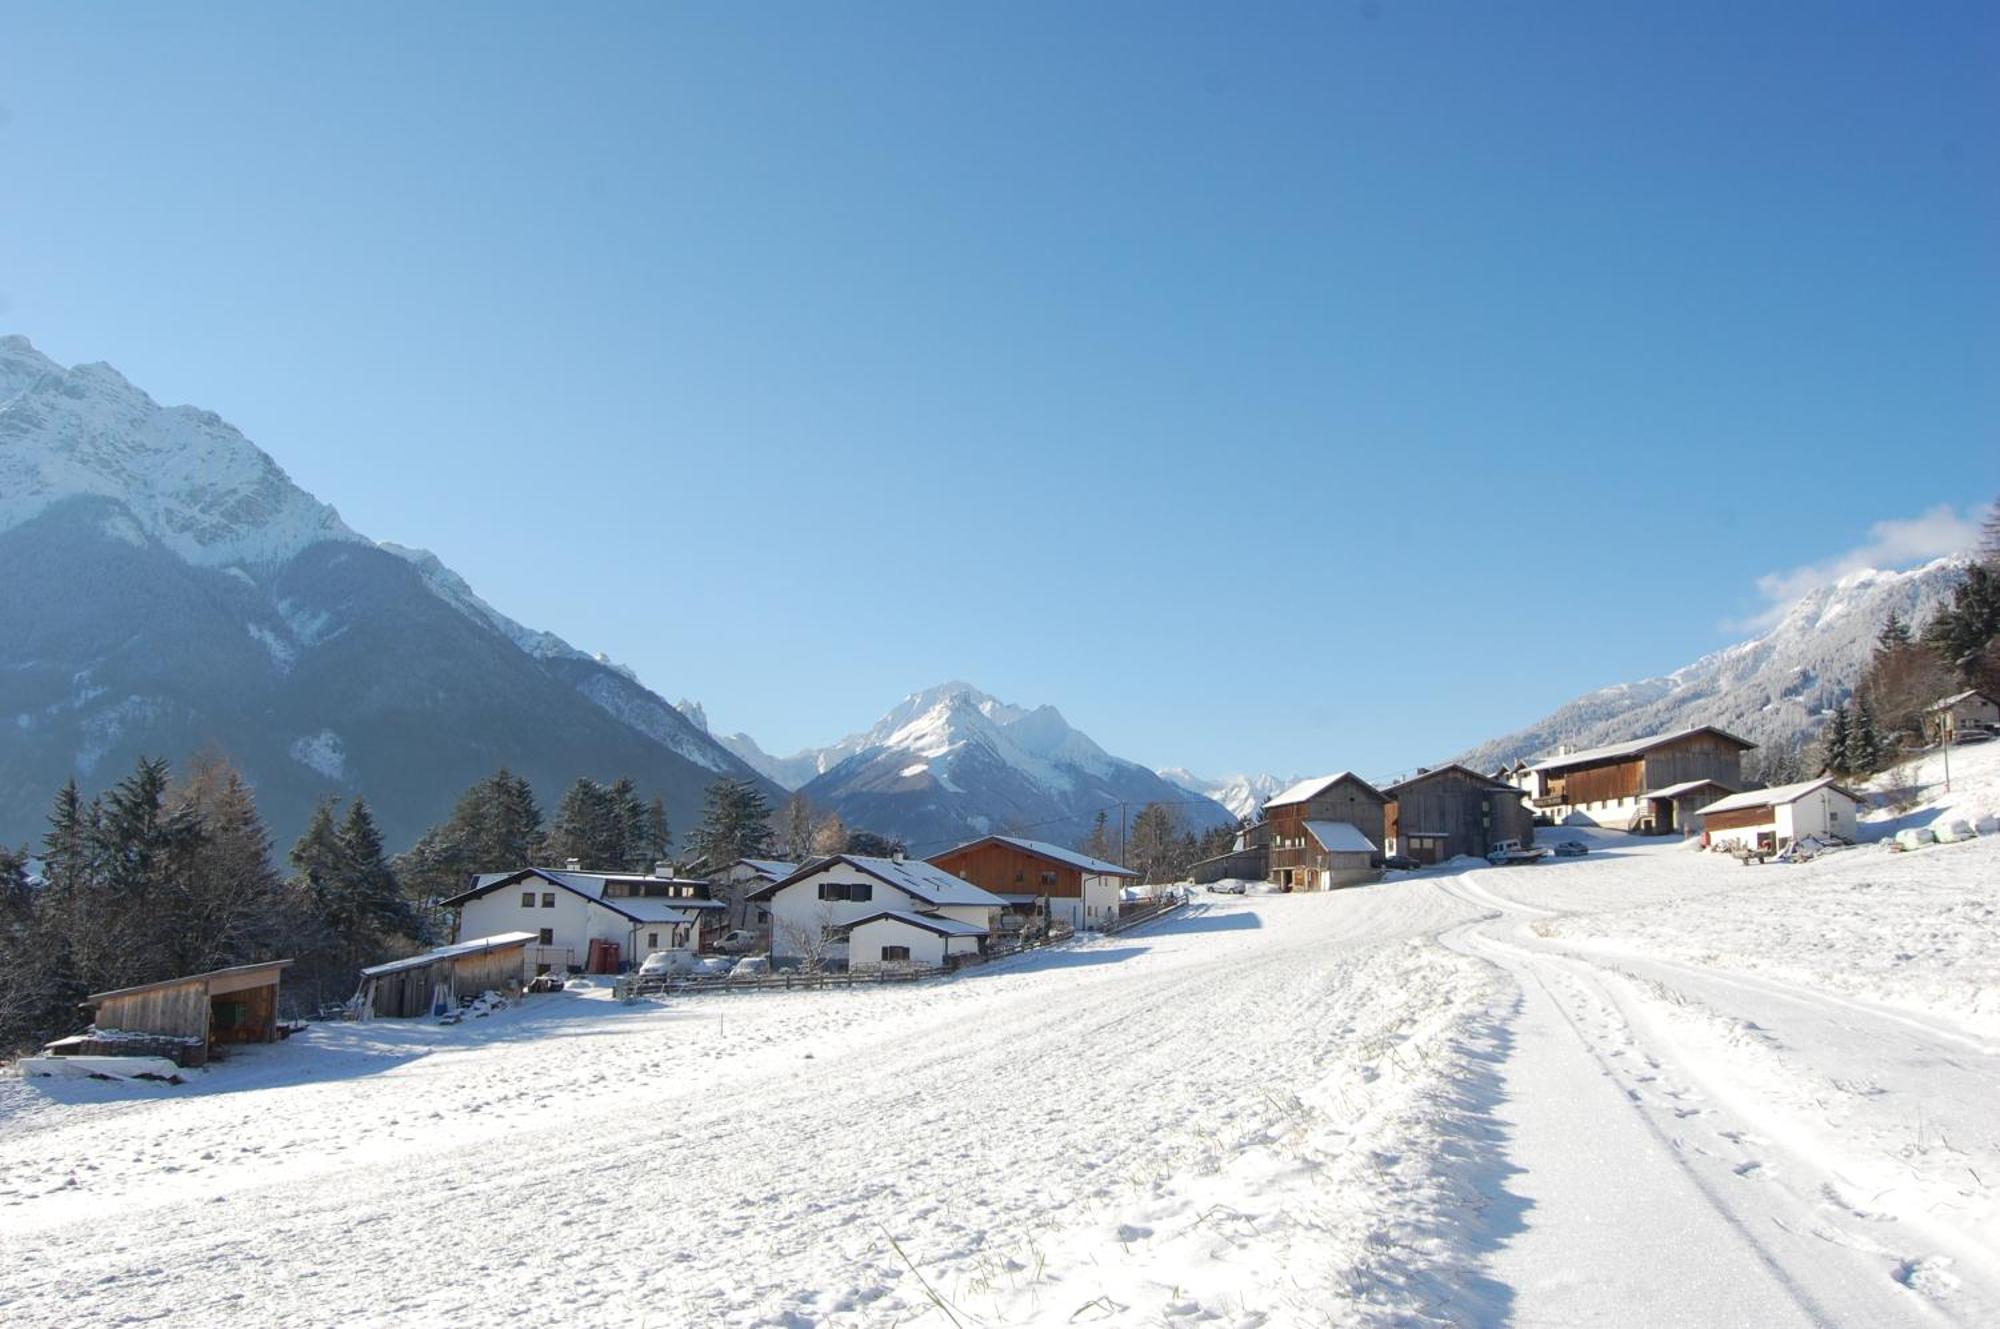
(735, 823)
(1834, 739)
(1864, 745)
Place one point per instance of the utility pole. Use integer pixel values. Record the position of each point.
(1124, 862)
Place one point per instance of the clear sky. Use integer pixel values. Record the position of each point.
(1268, 387)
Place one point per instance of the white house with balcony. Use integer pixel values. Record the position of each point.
(567, 910)
(815, 910)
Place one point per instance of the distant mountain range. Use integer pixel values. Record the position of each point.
(164, 586)
(1243, 795)
(1774, 689)
(951, 763)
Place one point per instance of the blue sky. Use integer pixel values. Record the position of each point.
(1233, 378)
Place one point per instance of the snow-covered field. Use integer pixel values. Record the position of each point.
(1646, 1086)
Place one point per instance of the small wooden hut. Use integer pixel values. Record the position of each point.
(198, 1012)
(412, 986)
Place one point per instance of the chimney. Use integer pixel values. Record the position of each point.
(896, 855)
(572, 865)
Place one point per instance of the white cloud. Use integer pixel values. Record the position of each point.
(1897, 543)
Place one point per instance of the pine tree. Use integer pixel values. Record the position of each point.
(1989, 537)
(226, 902)
(1834, 740)
(590, 827)
(735, 823)
(1098, 844)
(1895, 634)
(1864, 745)
(495, 826)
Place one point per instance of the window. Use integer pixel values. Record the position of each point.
(548, 899)
(652, 941)
(895, 953)
(527, 899)
(1048, 878)
(1019, 876)
(846, 890)
(548, 936)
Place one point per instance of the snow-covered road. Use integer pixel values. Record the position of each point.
(1557, 1095)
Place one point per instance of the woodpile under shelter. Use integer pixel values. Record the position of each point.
(196, 1013)
(421, 984)
(1449, 811)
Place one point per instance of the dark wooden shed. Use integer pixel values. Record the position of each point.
(1452, 810)
(200, 1011)
(409, 987)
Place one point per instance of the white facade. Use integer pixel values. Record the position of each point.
(829, 896)
(1791, 812)
(888, 942)
(565, 920)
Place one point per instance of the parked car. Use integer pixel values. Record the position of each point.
(1230, 887)
(1572, 849)
(751, 966)
(740, 941)
(714, 966)
(1512, 853)
(1400, 862)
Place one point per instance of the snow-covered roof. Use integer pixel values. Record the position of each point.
(1631, 748)
(1042, 849)
(590, 885)
(1305, 790)
(1776, 795)
(943, 927)
(1433, 772)
(1686, 787)
(1340, 837)
(768, 868)
(1946, 703)
(917, 879)
(476, 946)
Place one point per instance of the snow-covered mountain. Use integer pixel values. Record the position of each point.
(164, 585)
(951, 763)
(1243, 795)
(1772, 689)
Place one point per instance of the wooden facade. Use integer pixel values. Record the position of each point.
(1451, 811)
(1007, 869)
(236, 1005)
(1609, 786)
(405, 988)
(1296, 860)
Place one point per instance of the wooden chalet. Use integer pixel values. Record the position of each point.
(1448, 811)
(1031, 875)
(1948, 717)
(1325, 832)
(1632, 786)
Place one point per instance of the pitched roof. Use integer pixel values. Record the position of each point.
(1778, 794)
(1632, 748)
(1306, 790)
(1340, 837)
(919, 880)
(943, 927)
(477, 946)
(1687, 787)
(1432, 773)
(590, 885)
(1945, 703)
(770, 869)
(1042, 849)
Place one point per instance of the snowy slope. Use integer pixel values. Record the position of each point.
(164, 585)
(952, 762)
(1243, 795)
(1771, 689)
(1645, 1086)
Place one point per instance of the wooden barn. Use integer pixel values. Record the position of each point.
(1325, 832)
(1625, 786)
(1074, 887)
(199, 1012)
(1447, 811)
(416, 984)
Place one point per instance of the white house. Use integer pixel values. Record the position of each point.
(892, 937)
(1770, 819)
(812, 909)
(568, 910)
